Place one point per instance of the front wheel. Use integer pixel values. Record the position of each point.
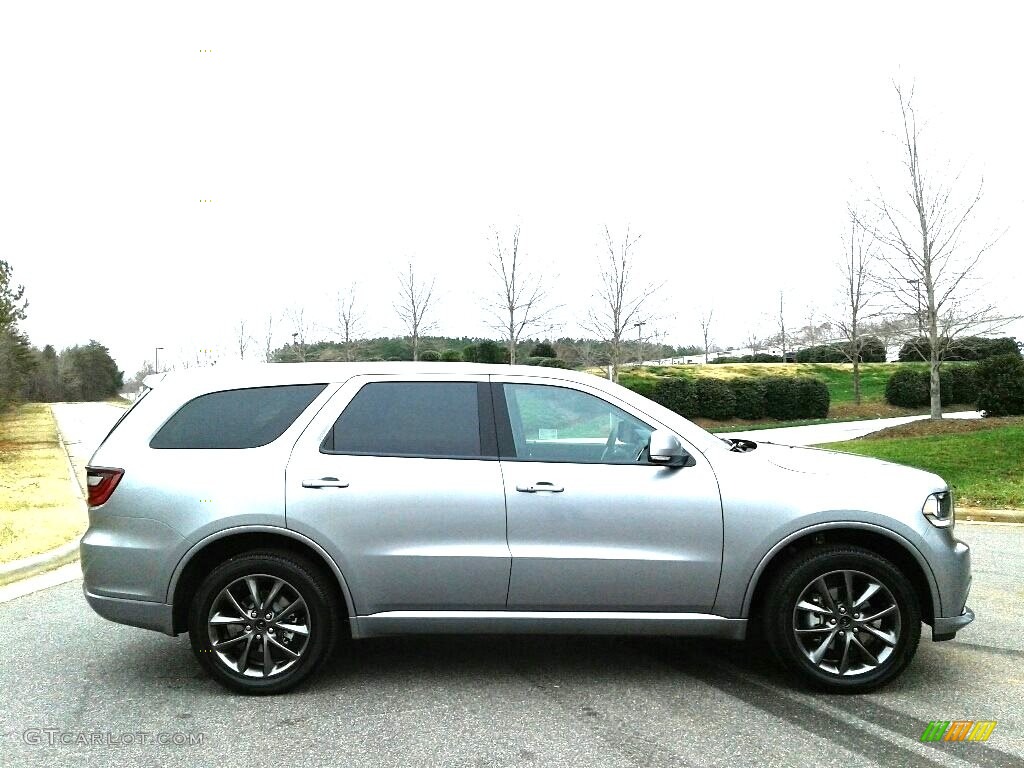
(261, 622)
(844, 618)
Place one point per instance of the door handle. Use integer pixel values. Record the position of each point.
(325, 482)
(543, 485)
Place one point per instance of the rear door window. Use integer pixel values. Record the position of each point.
(236, 418)
(412, 418)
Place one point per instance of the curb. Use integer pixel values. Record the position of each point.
(991, 515)
(36, 564)
(65, 553)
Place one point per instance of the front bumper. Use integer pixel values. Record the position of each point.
(135, 613)
(945, 628)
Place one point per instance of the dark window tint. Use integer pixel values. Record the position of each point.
(438, 419)
(236, 418)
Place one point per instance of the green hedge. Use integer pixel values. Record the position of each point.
(777, 397)
(963, 349)
(760, 357)
(908, 388)
(1000, 382)
(872, 351)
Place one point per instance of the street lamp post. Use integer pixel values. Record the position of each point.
(639, 341)
(156, 359)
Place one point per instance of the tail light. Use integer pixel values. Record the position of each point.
(102, 481)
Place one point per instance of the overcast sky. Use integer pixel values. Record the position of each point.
(335, 141)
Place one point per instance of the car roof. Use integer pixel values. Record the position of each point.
(234, 375)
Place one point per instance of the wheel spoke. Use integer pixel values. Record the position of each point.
(889, 638)
(298, 629)
(278, 583)
(812, 630)
(822, 649)
(822, 588)
(299, 603)
(268, 662)
(250, 581)
(222, 619)
(865, 652)
(284, 648)
(230, 642)
(848, 583)
(880, 614)
(235, 602)
(844, 662)
(243, 660)
(803, 605)
(872, 588)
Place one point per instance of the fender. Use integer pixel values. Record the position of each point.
(234, 531)
(926, 567)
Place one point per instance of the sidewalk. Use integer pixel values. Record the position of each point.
(835, 432)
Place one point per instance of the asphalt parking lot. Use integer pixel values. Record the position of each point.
(77, 688)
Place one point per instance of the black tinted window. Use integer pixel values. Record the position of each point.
(437, 419)
(236, 418)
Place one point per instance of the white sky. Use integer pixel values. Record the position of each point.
(337, 140)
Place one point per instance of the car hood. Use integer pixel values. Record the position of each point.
(817, 461)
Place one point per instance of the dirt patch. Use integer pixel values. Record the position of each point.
(928, 427)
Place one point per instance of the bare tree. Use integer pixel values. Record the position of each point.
(930, 265)
(244, 339)
(755, 343)
(302, 330)
(860, 250)
(518, 308)
(618, 302)
(705, 329)
(349, 317)
(782, 326)
(413, 304)
(268, 348)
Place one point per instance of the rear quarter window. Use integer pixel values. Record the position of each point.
(236, 418)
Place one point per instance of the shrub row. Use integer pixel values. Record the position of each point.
(966, 348)
(911, 388)
(774, 397)
(872, 351)
(759, 357)
(1000, 383)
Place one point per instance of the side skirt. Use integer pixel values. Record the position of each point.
(547, 622)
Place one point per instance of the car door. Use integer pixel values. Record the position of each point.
(592, 526)
(399, 480)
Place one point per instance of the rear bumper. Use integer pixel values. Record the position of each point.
(135, 613)
(945, 628)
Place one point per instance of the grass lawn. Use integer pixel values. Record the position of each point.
(983, 460)
(39, 509)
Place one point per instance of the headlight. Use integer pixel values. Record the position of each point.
(938, 508)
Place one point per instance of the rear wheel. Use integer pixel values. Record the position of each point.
(262, 622)
(842, 617)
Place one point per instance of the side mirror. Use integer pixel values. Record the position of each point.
(666, 450)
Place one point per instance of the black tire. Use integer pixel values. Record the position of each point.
(320, 622)
(795, 634)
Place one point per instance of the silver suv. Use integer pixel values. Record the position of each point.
(271, 510)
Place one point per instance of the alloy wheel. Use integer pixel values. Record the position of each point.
(846, 623)
(259, 626)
